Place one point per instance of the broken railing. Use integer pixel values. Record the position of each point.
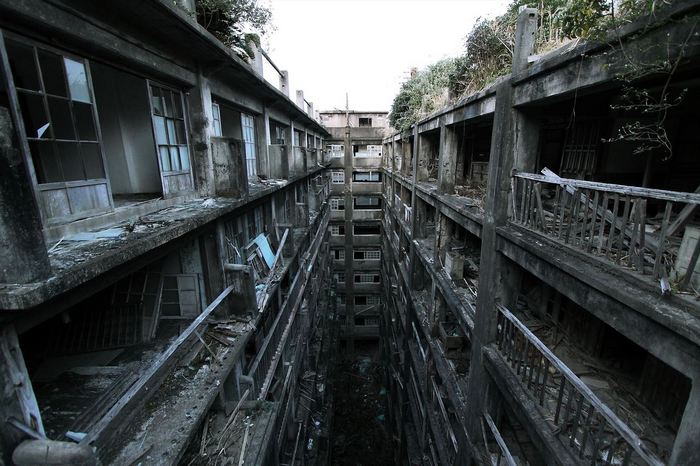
(503, 455)
(265, 363)
(612, 221)
(444, 423)
(151, 380)
(582, 421)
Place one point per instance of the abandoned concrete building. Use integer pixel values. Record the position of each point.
(187, 254)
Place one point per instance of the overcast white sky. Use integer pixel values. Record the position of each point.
(365, 47)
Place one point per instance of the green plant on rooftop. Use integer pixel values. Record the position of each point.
(236, 23)
(422, 94)
(489, 49)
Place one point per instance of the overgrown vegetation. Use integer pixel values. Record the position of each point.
(422, 94)
(488, 51)
(236, 23)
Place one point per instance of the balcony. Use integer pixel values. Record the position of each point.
(585, 425)
(636, 229)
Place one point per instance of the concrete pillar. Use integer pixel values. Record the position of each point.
(300, 100)
(423, 158)
(349, 279)
(284, 82)
(443, 236)
(290, 153)
(447, 160)
(17, 398)
(493, 264)
(23, 256)
(407, 164)
(525, 35)
(256, 61)
(686, 449)
(311, 109)
(200, 109)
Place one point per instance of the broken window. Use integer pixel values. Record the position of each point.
(366, 300)
(370, 176)
(337, 203)
(216, 120)
(362, 229)
(170, 130)
(366, 277)
(337, 229)
(248, 127)
(367, 203)
(365, 122)
(369, 150)
(339, 277)
(337, 177)
(338, 254)
(59, 117)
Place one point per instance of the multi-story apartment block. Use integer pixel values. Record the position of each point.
(184, 250)
(354, 155)
(164, 242)
(544, 305)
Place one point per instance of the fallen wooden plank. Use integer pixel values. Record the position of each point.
(150, 381)
(683, 217)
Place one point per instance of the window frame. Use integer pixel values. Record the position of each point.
(15, 91)
(251, 162)
(337, 177)
(371, 206)
(370, 174)
(216, 128)
(337, 204)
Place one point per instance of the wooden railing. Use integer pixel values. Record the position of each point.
(611, 221)
(589, 427)
(444, 420)
(266, 361)
(503, 455)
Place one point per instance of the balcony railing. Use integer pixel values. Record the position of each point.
(590, 428)
(613, 222)
(503, 455)
(266, 361)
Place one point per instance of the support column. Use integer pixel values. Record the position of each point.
(284, 82)
(17, 398)
(349, 269)
(201, 116)
(423, 158)
(498, 277)
(492, 262)
(257, 59)
(447, 161)
(23, 256)
(686, 449)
